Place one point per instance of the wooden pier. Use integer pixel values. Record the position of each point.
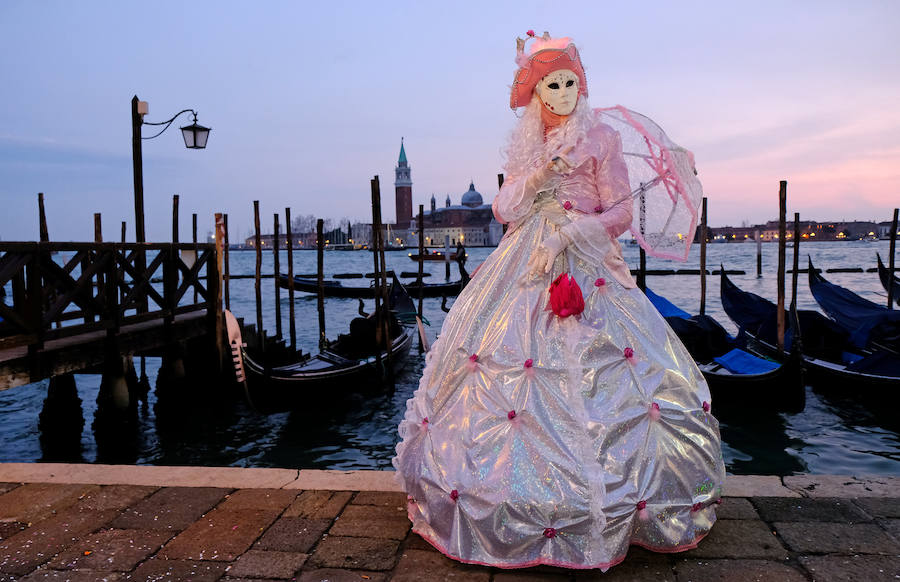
(76, 306)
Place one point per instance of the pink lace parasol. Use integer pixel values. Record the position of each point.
(665, 190)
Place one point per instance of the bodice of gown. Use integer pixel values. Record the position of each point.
(594, 196)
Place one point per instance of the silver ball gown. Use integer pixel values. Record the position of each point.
(538, 439)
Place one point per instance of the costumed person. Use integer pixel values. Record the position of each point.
(559, 420)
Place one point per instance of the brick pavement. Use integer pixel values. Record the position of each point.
(88, 532)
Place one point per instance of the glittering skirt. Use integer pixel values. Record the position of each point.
(534, 439)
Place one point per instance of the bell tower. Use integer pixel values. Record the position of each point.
(403, 190)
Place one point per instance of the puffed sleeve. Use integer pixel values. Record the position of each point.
(592, 233)
(611, 178)
(518, 193)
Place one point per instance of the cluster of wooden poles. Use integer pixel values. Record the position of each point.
(380, 271)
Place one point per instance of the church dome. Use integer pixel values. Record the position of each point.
(472, 197)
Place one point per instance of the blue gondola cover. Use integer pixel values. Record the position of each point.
(740, 362)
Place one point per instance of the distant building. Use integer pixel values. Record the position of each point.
(301, 240)
(471, 222)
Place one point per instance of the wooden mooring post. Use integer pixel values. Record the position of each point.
(276, 252)
(385, 318)
(499, 187)
(642, 254)
(175, 218)
(782, 236)
(382, 326)
(98, 227)
(292, 326)
(194, 240)
(891, 249)
(421, 276)
(258, 282)
(214, 288)
(447, 257)
(226, 252)
(758, 253)
(703, 258)
(796, 269)
(42, 219)
(320, 280)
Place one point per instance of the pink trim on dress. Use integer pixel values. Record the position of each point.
(541, 562)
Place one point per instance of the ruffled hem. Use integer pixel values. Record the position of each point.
(603, 566)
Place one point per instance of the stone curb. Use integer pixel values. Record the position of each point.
(327, 480)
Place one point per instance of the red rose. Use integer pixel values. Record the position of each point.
(565, 296)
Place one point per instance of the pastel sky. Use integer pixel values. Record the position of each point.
(308, 101)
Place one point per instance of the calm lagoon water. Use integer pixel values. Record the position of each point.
(829, 436)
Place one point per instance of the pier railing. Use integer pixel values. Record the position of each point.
(55, 290)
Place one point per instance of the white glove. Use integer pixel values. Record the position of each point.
(560, 163)
(541, 260)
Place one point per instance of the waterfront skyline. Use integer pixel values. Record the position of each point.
(307, 103)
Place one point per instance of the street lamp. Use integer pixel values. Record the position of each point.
(195, 137)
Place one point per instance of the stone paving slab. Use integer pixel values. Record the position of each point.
(220, 535)
(11, 528)
(114, 496)
(416, 565)
(266, 564)
(381, 498)
(112, 549)
(293, 534)
(171, 508)
(159, 570)
(526, 576)
(4, 487)
(892, 526)
(72, 576)
(268, 499)
(880, 506)
(739, 539)
(852, 568)
(335, 575)
(843, 486)
(319, 504)
(837, 538)
(736, 508)
(358, 520)
(629, 571)
(357, 553)
(35, 501)
(738, 571)
(33, 547)
(809, 509)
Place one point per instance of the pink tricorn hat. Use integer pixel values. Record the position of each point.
(546, 55)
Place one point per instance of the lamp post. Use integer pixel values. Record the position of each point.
(195, 137)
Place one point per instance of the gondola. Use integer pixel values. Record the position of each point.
(434, 256)
(831, 361)
(333, 288)
(871, 326)
(282, 380)
(736, 377)
(887, 280)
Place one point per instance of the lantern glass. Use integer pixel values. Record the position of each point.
(195, 136)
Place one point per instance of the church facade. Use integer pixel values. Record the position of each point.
(471, 222)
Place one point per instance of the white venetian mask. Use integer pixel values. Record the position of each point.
(558, 91)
